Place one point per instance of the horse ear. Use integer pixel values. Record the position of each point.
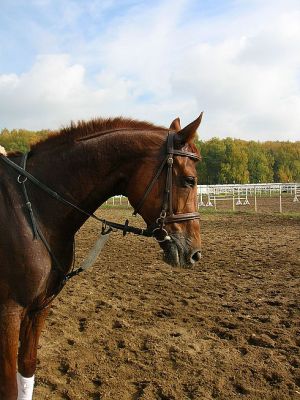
(175, 125)
(188, 133)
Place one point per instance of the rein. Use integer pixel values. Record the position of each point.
(157, 230)
(123, 227)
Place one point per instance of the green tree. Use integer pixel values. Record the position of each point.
(20, 139)
(260, 164)
(213, 153)
(235, 167)
(286, 157)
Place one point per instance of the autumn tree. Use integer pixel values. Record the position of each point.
(20, 139)
(260, 163)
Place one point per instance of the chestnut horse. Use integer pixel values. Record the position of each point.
(86, 163)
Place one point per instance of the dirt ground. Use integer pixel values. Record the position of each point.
(133, 328)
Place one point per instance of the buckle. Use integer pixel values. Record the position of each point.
(166, 237)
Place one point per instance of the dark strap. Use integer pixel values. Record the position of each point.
(125, 228)
(181, 217)
(182, 153)
(22, 181)
(150, 186)
(167, 203)
(37, 233)
(168, 200)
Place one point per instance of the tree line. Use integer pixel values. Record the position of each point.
(240, 161)
(20, 139)
(223, 160)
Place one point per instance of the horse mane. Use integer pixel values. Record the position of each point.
(81, 129)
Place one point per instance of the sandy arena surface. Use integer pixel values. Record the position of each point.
(133, 328)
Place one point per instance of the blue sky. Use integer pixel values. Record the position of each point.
(237, 60)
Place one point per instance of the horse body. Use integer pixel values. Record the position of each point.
(88, 170)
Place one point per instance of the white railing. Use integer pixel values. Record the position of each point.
(282, 197)
(247, 194)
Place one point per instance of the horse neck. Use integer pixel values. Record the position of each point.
(87, 173)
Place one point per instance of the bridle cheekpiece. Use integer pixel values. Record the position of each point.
(167, 215)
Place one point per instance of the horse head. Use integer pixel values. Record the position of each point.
(164, 192)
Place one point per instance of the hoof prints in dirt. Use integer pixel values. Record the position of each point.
(240, 389)
(261, 341)
(66, 369)
(46, 383)
(97, 381)
(141, 386)
(223, 334)
(82, 324)
(164, 313)
(146, 389)
(226, 329)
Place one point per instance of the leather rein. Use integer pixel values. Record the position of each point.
(157, 230)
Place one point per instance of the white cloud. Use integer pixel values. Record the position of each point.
(241, 67)
(54, 92)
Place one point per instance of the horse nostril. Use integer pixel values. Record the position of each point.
(196, 256)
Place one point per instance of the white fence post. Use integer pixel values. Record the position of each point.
(295, 200)
(215, 203)
(280, 200)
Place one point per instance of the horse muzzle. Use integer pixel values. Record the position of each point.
(178, 252)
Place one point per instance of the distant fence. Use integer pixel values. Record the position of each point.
(281, 197)
(260, 197)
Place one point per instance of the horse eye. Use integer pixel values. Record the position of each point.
(189, 181)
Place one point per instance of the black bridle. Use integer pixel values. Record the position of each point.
(167, 215)
(156, 230)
